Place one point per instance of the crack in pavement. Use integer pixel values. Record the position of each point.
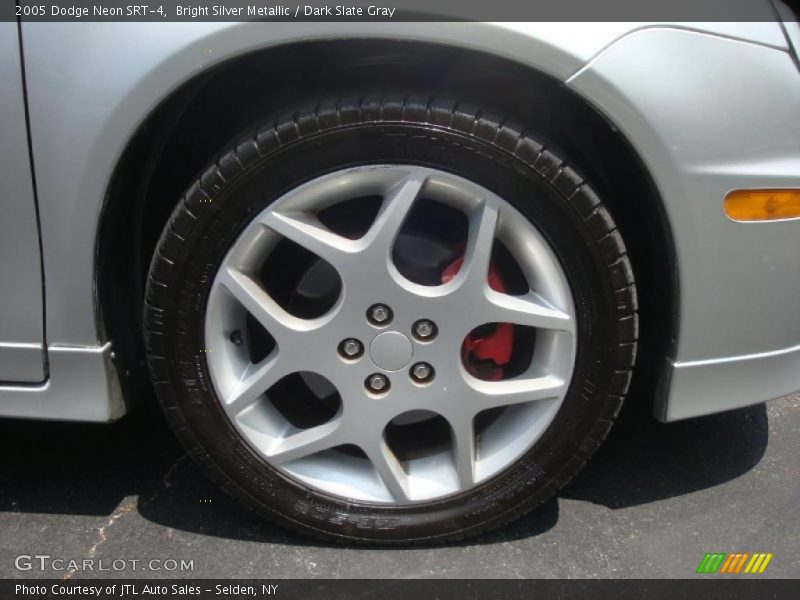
(125, 507)
(166, 480)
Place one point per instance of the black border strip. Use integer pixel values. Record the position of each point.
(706, 587)
(161, 11)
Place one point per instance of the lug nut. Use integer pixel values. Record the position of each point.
(422, 372)
(351, 348)
(379, 314)
(377, 383)
(424, 329)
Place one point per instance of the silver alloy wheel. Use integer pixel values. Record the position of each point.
(369, 277)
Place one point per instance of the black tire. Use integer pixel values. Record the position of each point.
(386, 128)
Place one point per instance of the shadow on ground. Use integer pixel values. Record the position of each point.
(63, 468)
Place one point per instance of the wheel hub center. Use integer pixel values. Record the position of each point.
(391, 350)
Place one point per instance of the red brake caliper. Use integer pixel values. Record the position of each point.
(488, 348)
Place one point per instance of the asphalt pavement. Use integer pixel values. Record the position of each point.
(654, 499)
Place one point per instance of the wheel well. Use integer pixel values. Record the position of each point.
(180, 137)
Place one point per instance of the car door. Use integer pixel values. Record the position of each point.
(21, 290)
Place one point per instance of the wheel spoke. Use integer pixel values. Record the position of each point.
(464, 448)
(491, 394)
(259, 378)
(394, 210)
(279, 323)
(474, 270)
(308, 232)
(306, 442)
(531, 310)
(389, 469)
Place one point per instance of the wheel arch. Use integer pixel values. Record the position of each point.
(203, 114)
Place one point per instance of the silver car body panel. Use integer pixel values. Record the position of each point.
(88, 97)
(82, 386)
(22, 314)
(681, 104)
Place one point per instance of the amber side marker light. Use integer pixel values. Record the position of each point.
(762, 205)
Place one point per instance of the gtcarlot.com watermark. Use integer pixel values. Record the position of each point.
(47, 563)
